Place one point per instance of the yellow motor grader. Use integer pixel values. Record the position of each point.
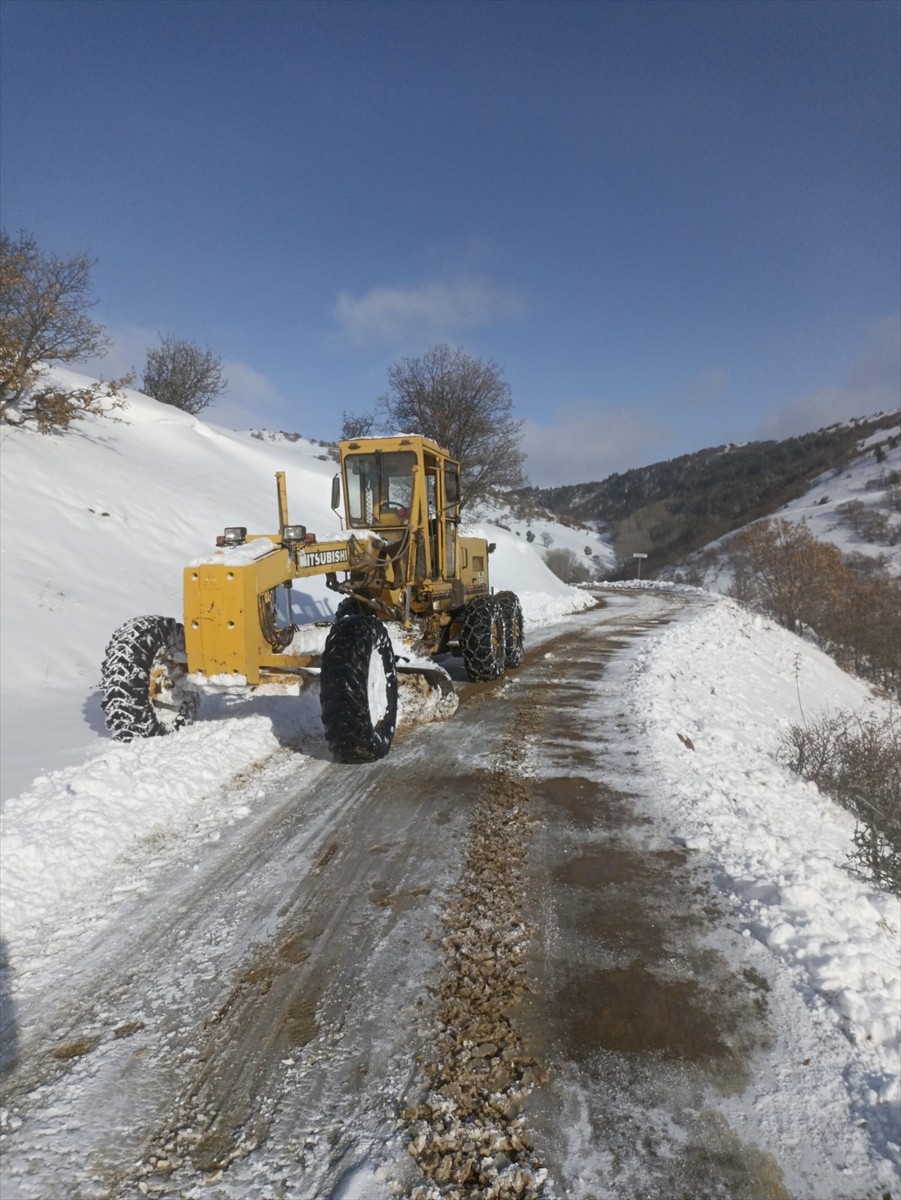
(412, 588)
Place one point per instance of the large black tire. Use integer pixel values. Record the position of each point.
(144, 680)
(358, 689)
(350, 606)
(513, 628)
(482, 639)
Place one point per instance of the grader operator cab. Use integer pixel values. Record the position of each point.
(412, 589)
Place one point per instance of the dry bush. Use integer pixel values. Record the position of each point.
(857, 761)
(781, 569)
(567, 566)
(869, 523)
(53, 408)
(182, 374)
(44, 302)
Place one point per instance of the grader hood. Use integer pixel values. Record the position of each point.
(230, 601)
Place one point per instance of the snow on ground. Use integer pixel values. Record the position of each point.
(589, 547)
(863, 479)
(97, 524)
(713, 694)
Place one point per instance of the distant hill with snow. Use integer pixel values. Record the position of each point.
(671, 509)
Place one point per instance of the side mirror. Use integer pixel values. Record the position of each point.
(336, 492)
(492, 546)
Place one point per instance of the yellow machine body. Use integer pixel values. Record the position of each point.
(399, 557)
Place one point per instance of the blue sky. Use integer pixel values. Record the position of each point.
(673, 224)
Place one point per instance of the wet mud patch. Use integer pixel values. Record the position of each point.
(399, 902)
(128, 1029)
(633, 1012)
(629, 1011)
(613, 865)
(637, 979)
(301, 1025)
(297, 949)
(584, 802)
(577, 755)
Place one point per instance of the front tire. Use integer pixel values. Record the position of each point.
(511, 609)
(358, 689)
(144, 680)
(350, 606)
(482, 639)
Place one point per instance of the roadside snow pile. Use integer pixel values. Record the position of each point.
(69, 836)
(714, 694)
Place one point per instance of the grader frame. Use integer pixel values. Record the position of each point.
(405, 569)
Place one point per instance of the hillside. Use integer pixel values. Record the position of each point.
(672, 508)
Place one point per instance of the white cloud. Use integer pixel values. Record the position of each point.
(127, 352)
(386, 315)
(584, 442)
(251, 401)
(873, 385)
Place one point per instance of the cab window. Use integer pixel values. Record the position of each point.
(379, 488)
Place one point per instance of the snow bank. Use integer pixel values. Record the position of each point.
(714, 694)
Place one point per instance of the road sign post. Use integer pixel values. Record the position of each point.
(639, 557)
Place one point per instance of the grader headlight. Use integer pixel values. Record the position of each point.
(235, 535)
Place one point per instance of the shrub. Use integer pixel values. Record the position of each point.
(857, 761)
(781, 569)
(44, 302)
(181, 374)
(567, 566)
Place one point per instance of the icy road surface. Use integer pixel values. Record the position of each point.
(482, 967)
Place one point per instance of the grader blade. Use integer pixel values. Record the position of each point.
(425, 694)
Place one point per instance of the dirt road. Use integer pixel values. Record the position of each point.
(478, 968)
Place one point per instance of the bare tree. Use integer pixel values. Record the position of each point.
(44, 319)
(356, 426)
(182, 374)
(464, 404)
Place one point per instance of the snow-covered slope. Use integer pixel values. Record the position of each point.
(865, 480)
(97, 525)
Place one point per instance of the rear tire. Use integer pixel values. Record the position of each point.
(482, 639)
(513, 628)
(358, 689)
(144, 680)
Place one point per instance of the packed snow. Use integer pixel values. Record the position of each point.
(97, 525)
(713, 695)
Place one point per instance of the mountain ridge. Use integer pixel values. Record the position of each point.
(677, 506)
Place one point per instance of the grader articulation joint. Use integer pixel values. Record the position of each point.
(412, 588)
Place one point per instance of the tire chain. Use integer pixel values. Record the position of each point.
(125, 678)
(344, 696)
(477, 639)
(510, 607)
